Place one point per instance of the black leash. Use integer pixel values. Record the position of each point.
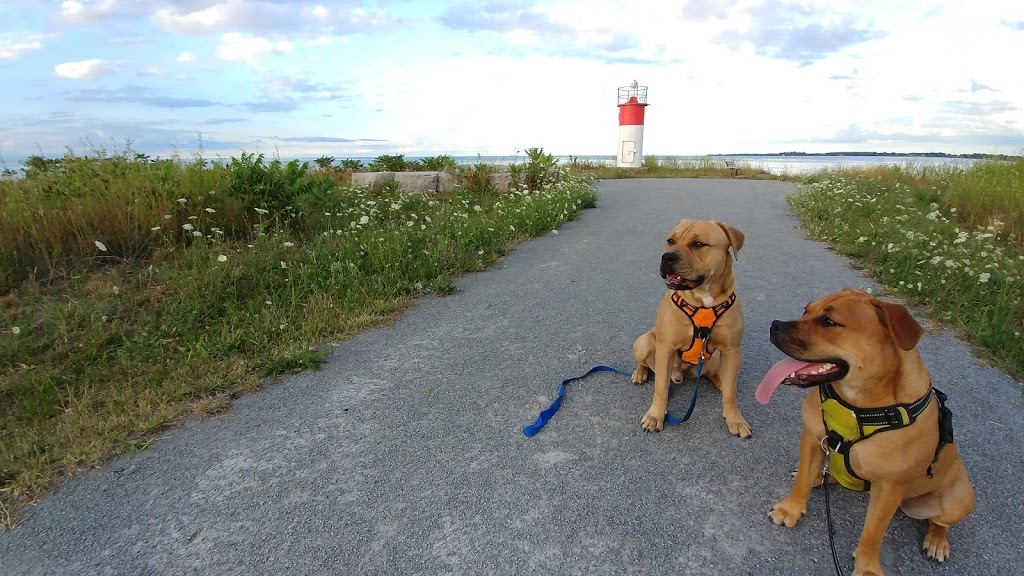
(828, 509)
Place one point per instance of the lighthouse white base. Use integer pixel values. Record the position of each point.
(631, 147)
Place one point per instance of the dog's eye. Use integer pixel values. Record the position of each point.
(670, 242)
(698, 244)
(828, 322)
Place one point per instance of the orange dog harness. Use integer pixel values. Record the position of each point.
(703, 320)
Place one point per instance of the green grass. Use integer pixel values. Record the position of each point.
(946, 238)
(135, 293)
(670, 167)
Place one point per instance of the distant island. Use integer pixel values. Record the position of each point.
(974, 156)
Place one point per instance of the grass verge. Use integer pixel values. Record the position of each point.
(947, 238)
(136, 293)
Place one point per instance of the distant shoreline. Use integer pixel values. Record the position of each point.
(973, 156)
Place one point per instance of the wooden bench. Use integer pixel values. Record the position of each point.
(733, 168)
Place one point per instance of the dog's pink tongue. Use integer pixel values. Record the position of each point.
(776, 374)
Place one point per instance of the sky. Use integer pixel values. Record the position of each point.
(423, 77)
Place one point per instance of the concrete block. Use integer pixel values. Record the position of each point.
(417, 181)
(446, 182)
(375, 180)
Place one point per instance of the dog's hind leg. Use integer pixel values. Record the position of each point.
(942, 510)
(643, 353)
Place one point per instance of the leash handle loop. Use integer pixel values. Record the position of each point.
(546, 415)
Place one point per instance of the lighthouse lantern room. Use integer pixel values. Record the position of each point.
(632, 102)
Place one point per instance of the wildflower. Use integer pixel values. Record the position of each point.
(15, 330)
(477, 208)
(364, 220)
(289, 244)
(283, 265)
(187, 226)
(395, 206)
(182, 200)
(197, 233)
(167, 216)
(268, 302)
(423, 226)
(555, 232)
(222, 258)
(193, 217)
(155, 228)
(983, 277)
(210, 210)
(261, 210)
(100, 245)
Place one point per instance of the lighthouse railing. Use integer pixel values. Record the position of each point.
(627, 92)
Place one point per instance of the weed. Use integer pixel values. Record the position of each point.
(389, 163)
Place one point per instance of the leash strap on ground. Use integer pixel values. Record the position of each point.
(547, 414)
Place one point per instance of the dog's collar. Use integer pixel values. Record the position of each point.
(703, 320)
(845, 425)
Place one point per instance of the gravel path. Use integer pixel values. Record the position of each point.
(404, 455)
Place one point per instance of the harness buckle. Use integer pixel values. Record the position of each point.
(703, 333)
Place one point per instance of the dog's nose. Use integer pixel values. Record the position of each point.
(670, 258)
(778, 326)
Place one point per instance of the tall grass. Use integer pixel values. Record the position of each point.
(990, 193)
(671, 167)
(136, 293)
(947, 238)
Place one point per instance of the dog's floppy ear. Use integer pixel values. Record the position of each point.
(905, 331)
(736, 238)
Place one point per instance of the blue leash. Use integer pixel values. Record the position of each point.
(546, 415)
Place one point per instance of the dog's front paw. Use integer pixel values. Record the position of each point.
(866, 564)
(788, 512)
(935, 544)
(738, 426)
(653, 421)
(640, 375)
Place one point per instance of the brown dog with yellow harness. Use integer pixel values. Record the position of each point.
(700, 314)
(874, 410)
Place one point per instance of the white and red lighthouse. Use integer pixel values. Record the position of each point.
(632, 102)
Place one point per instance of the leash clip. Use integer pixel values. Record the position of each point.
(703, 333)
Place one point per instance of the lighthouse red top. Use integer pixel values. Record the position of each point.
(632, 102)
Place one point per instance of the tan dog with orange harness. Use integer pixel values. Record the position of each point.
(700, 314)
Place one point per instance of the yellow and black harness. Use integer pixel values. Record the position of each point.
(846, 425)
(703, 320)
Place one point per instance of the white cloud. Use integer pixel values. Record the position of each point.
(186, 57)
(320, 13)
(251, 49)
(10, 49)
(75, 12)
(199, 22)
(83, 70)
